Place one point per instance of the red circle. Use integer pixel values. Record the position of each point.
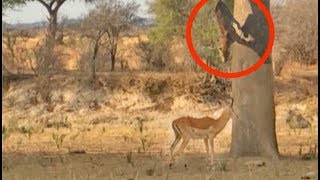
(251, 69)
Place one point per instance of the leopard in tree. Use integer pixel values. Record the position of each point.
(228, 33)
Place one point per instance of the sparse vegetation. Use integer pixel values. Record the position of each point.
(5, 133)
(61, 122)
(151, 171)
(129, 157)
(296, 44)
(74, 137)
(222, 164)
(58, 139)
(27, 131)
(142, 136)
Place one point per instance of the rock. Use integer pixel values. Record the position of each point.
(257, 163)
(83, 112)
(93, 105)
(309, 175)
(296, 121)
(77, 151)
(36, 111)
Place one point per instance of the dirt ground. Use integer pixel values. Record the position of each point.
(118, 166)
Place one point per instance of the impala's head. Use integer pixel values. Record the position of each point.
(228, 108)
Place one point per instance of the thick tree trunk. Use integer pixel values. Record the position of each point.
(253, 132)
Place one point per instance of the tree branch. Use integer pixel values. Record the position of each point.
(59, 3)
(47, 6)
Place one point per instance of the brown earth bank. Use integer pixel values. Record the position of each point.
(132, 113)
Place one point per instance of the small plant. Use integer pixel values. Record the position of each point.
(12, 125)
(140, 125)
(125, 138)
(74, 136)
(129, 158)
(5, 133)
(161, 153)
(151, 171)
(300, 150)
(58, 139)
(11, 101)
(26, 131)
(143, 141)
(7, 130)
(61, 123)
(312, 154)
(143, 138)
(61, 98)
(222, 164)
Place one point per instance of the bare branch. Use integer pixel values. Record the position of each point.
(47, 6)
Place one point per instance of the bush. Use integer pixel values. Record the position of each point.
(45, 62)
(155, 57)
(296, 24)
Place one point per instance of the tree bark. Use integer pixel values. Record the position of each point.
(53, 24)
(253, 132)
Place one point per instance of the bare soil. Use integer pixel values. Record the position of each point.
(143, 166)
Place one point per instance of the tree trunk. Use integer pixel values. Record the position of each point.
(53, 24)
(113, 61)
(253, 132)
(93, 63)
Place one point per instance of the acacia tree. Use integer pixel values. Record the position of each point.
(171, 18)
(105, 25)
(52, 7)
(94, 35)
(253, 132)
(118, 18)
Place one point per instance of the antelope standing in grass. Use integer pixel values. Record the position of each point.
(206, 128)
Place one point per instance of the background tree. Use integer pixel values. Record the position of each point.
(105, 25)
(171, 18)
(253, 132)
(94, 35)
(11, 3)
(118, 18)
(295, 44)
(52, 7)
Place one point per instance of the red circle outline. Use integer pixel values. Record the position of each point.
(251, 69)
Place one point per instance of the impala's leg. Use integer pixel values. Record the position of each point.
(185, 142)
(207, 145)
(174, 144)
(212, 149)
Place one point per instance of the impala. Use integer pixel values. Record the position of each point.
(206, 128)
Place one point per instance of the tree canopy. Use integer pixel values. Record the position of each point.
(171, 18)
(52, 7)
